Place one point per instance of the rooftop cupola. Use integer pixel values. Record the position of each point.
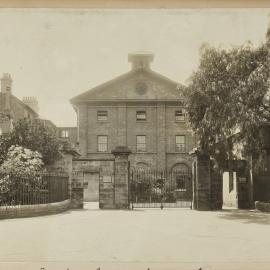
(140, 60)
(6, 83)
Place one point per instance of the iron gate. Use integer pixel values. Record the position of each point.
(160, 189)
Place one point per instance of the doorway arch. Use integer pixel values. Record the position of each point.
(181, 180)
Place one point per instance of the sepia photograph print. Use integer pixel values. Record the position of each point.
(134, 138)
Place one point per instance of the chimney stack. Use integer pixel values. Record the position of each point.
(6, 83)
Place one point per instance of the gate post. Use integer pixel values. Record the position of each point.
(121, 177)
(201, 178)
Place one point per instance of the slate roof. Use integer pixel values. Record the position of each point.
(15, 100)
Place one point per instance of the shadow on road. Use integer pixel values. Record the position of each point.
(245, 216)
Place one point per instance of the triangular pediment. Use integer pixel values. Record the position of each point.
(134, 85)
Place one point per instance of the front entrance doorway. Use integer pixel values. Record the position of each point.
(91, 187)
(160, 189)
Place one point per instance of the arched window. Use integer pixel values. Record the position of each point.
(180, 172)
(142, 166)
(181, 167)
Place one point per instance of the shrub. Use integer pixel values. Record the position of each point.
(21, 168)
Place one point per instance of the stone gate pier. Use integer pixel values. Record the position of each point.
(201, 180)
(114, 192)
(207, 184)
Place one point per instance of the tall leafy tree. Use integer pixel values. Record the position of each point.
(226, 95)
(35, 135)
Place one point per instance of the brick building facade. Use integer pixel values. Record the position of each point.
(140, 109)
(12, 108)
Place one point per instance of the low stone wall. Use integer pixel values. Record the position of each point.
(262, 206)
(19, 211)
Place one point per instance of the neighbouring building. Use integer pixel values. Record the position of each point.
(68, 134)
(12, 108)
(246, 180)
(140, 109)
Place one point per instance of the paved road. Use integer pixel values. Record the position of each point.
(141, 236)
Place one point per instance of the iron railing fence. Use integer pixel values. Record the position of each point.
(160, 188)
(45, 188)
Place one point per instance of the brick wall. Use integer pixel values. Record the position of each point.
(122, 128)
(95, 128)
(113, 175)
(104, 167)
(82, 124)
(18, 110)
(174, 158)
(148, 127)
(122, 96)
(101, 169)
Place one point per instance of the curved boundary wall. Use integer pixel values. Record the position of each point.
(18, 211)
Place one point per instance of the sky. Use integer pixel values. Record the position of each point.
(56, 54)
